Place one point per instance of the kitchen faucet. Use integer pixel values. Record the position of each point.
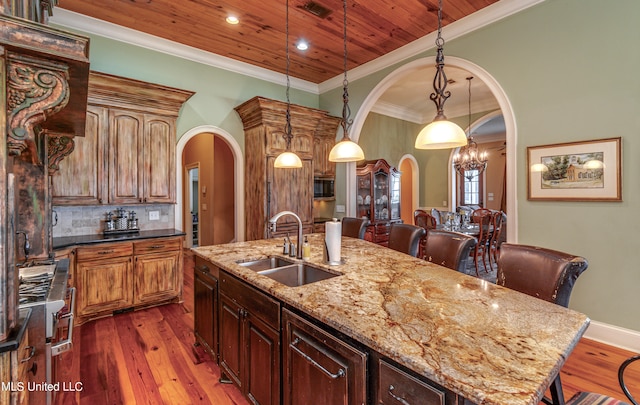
(275, 218)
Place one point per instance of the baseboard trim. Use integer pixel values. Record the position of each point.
(614, 336)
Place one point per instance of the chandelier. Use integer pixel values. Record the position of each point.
(441, 133)
(288, 159)
(468, 162)
(346, 150)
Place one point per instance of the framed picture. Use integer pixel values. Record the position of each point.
(576, 171)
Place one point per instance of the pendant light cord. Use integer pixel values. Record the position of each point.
(346, 111)
(287, 128)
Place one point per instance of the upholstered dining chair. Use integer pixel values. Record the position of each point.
(542, 273)
(405, 238)
(497, 222)
(425, 220)
(449, 249)
(354, 227)
(435, 213)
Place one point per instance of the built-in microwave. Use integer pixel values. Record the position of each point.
(323, 188)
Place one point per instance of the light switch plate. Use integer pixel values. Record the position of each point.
(154, 215)
(340, 208)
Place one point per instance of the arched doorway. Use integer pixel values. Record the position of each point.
(409, 189)
(505, 107)
(230, 178)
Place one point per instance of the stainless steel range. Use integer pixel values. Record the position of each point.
(43, 288)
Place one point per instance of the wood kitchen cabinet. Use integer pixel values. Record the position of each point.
(394, 385)
(318, 367)
(205, 308)
(323, 141)
(128, 153)
(103, 279)
(269, 190)
(158, 273)
(378, 198)
(249, 340)
(118, 276)
(80, 179)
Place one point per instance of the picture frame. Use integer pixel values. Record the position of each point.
(575, 171)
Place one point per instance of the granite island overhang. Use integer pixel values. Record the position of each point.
(485, 342)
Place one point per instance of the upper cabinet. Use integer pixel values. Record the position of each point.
(128, 153)
(323, 142)
(269, 190)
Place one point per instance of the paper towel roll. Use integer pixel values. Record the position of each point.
(333, 240)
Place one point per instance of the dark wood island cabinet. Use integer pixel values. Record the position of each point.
(205, 309)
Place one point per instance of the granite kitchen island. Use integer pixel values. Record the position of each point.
(486, 343)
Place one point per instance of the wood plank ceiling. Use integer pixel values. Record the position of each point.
(375, 27)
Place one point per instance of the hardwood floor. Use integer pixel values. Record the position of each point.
(147, 357)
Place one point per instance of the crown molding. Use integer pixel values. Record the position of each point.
(399, 112)
(479, 19)
(76, 21)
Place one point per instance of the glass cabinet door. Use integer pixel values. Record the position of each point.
(381, 195)
(395, 197)
(363, 197)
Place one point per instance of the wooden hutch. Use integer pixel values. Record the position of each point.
(378, 198)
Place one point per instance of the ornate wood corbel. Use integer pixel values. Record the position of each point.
(37, 89)
(59, 146)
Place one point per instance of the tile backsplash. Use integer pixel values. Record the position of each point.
(89, 220)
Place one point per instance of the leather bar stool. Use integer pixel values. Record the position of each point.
(354, 227)
(449, 249)
(405, 238)
(542, 273)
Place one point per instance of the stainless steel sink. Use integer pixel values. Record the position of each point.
(265, 264)
(297, 274)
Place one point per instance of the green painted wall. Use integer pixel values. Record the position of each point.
(569, 68)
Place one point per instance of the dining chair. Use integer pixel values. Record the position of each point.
(405, 238)
(591, 398)
(483, 220)
(449, 249)
(435, 213)
(425, 220)
(542, 273)
(497, 221)
(354, 227)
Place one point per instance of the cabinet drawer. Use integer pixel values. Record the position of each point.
(104, 251)
(257, 303)
(157, 246)
(395, 386)
(206, 267)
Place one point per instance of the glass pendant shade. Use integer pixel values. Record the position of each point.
(441, 134)
(346, 151)
(287, 160)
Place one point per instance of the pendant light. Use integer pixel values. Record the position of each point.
(468, 162)
(440, 134)
(346, 150)
(288, 159)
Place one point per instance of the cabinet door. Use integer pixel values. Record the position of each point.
(262, 365)
(290, 190)
(231, 349)
(159, 160)
(126, 147)
(80, 179)
(156, 277)
(205, 310)
(319, 368)
(104, 285)
(397, 387)
(321, 148)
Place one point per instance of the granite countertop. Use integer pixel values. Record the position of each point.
(68, 241)
(487, 343)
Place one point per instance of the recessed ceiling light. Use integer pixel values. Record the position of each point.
(233, 20)
(302, 45)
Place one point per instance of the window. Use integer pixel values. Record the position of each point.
(471, 188)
